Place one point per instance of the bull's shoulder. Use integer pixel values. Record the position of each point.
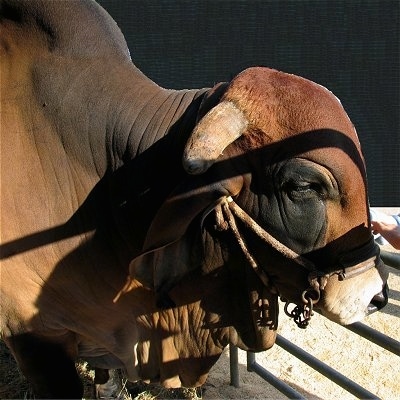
(80, 28)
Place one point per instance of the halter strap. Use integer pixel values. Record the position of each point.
(268, 238)
(316, 278)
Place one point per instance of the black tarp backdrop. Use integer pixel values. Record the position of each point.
(350, 46)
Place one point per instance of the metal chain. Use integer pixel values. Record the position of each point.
(301, 314)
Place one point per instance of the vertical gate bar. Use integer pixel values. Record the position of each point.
(234, 365)
(251, 359)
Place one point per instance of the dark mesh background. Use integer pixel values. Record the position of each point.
(350, 46)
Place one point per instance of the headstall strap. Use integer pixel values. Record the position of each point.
(301, 314)
(232, 224)
(266, 237)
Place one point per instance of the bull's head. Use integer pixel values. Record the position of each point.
(285, 150)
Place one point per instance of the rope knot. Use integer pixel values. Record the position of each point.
(220, 223)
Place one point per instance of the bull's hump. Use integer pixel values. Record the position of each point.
(81, 28)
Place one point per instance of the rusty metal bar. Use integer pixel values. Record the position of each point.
(391, 259)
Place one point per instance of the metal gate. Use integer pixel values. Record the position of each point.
(376, 337)
(352, 387)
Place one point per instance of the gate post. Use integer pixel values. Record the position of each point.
(234, 365)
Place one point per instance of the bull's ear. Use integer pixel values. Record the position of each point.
(189, 200)
(163, 267)
(171, 247)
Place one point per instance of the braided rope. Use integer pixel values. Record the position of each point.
(267, 238)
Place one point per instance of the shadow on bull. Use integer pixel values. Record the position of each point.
(88, 295)
(137, 190)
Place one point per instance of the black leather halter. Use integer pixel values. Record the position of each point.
(351, 266)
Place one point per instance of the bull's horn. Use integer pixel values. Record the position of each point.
(216, 130)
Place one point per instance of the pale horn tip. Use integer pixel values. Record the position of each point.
(195, 166)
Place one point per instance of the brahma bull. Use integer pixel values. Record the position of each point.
(117, 251)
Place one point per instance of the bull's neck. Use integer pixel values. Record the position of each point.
(146, 147)
(160, 113)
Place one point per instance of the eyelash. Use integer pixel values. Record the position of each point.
(297, 191)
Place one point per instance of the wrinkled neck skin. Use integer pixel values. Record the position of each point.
(205, 318)
(150, 165)
(134, 135)
(130, 116)
(101, 117)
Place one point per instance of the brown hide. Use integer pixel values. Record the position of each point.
(81, 180)
(110, 251)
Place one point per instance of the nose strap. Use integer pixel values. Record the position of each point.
(369, 252)
(350, 272)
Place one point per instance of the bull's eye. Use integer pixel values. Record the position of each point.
(302, 190)
(299, 181)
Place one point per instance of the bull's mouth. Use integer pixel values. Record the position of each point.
(379, 300)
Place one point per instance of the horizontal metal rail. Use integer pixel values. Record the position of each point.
(352, 387)
(391, 259)
(277, 383)
(324, 369)
(376, 337)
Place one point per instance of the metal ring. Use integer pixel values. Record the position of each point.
(311, 295)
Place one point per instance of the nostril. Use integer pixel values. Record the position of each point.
(379, 300)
